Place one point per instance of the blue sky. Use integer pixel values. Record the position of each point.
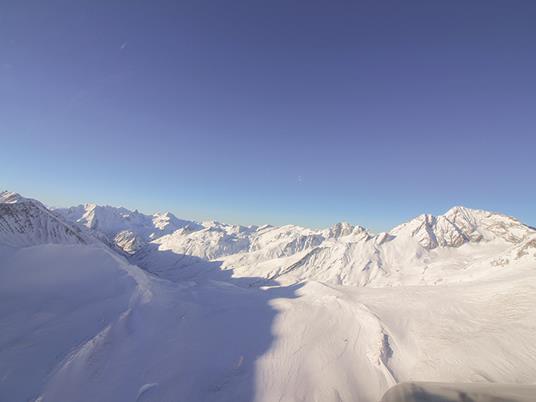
(306, 112)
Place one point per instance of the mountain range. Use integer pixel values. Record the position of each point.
(459, 245)
(103, 303)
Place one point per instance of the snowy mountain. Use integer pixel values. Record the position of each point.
(457, 246)
(27, 222)
(426, 250)
(215, 312)
(462, 225)
(128, 230)
(453, 247)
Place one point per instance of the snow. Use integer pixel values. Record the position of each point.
(25, 222)
(407, 255)
(53, 298)
(128, 230)
(439, 392)
(220, 312)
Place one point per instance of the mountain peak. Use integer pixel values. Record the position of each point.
(467, 213)
(27, 222)
(458, 209)
(10, 197)
(166, 214)
(339, 230)
(460, 225)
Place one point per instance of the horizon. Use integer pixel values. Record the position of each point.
(372, 230)
(305, 113)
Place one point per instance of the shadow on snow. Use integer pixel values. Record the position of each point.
(224, 325)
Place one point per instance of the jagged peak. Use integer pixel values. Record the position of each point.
(166, 214)
(339, 230)
(460, 225)
(10, 197)
(92, 207)
(213, 224)
(467, 213)
(342, 224)
(360, 229)
(89, 206)
(455, 211)
(459, 209)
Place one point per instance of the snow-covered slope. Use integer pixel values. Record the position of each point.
(26, 222)
(461, 392)
(53, 299)
(80, 322)
(129, 230)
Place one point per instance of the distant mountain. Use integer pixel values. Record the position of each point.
(461, 245)
(428, 249)
(462, 225)
(128, 230)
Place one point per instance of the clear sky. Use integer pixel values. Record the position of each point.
(245, 111)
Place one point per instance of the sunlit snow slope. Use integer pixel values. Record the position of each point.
(216, 312)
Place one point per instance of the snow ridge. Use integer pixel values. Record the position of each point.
(25, 222)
